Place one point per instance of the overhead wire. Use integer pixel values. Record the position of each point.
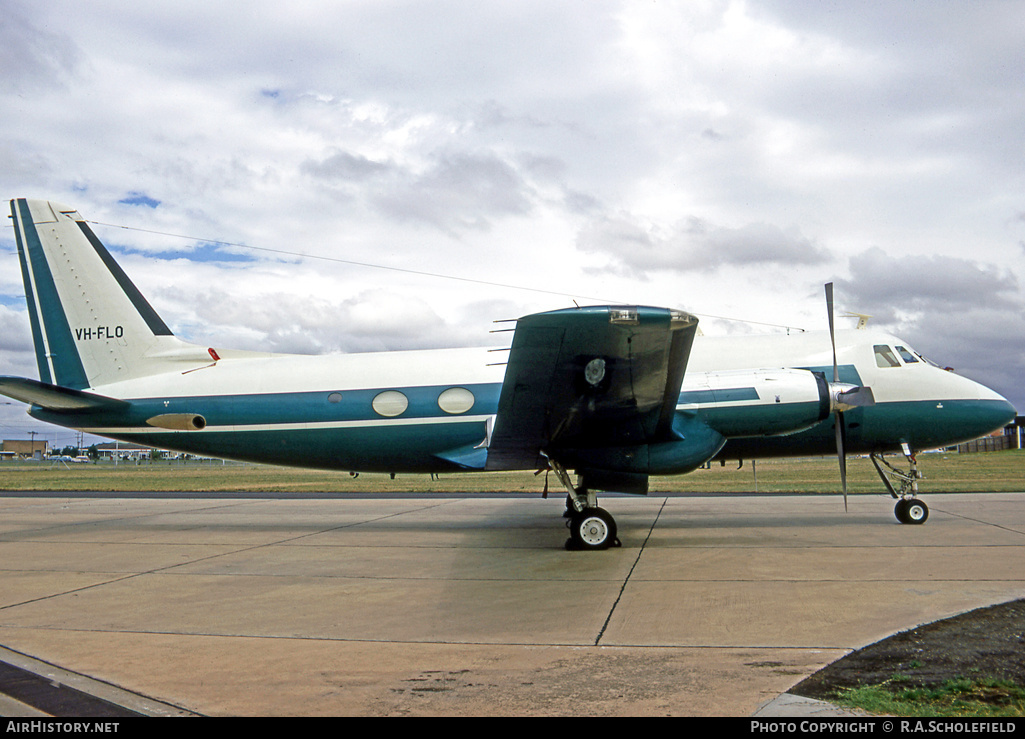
(339, 260)
(419, 273)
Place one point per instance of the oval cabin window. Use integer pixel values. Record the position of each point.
(390, 403)
(456, 400)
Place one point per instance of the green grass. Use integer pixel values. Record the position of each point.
(982, 472)
(961, 697)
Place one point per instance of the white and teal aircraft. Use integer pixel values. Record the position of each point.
(613, 394)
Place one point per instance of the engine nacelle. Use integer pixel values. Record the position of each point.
(625, 469)
(764, 402)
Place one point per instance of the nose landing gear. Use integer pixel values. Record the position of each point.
(909, 509)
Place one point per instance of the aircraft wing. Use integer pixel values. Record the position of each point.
(588, 378)
(55, 397)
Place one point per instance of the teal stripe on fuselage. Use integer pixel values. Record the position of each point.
(306, 429)
(384, 448)
(239, 411)
(922, 424)
(402, 447)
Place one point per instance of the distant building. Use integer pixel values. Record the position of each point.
(122, 450)
(25, 448)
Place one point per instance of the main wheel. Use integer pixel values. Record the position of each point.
(592, 528)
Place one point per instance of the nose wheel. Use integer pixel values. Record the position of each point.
(911, 510)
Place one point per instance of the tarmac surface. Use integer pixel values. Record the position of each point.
(341, 605)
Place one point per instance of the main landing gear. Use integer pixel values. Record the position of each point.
(909, 508)
(590, 528)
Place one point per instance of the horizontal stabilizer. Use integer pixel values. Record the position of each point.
(55, 397)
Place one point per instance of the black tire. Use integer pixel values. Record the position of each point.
(917, 512)
(592, 529)
(901, 511)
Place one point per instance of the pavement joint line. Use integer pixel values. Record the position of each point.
(626, 580)
(166, 569)
(984, 523)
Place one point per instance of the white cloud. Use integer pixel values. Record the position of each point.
(694, 245)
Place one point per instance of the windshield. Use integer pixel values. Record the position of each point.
(907, 356)
(885, 356)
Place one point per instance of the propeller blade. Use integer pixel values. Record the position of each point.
(832, 332)
(840, 434)
(840, 425)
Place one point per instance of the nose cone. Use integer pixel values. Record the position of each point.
(988, 413)
(1000, 408)
(960, 411)
(1004, 413)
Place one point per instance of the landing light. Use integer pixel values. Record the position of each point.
(680, 318)
(623, 315)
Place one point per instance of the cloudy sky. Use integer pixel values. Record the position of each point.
(727, 158)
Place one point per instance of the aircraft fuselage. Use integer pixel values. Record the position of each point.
(425, 411)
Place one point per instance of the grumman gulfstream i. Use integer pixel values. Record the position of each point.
(608, 394)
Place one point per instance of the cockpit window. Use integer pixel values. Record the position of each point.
(885, 356)
(907, 356)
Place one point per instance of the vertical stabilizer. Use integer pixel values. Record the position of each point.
(91, 326)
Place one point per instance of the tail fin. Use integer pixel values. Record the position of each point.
(91, 326)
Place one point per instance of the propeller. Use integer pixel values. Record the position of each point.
(843, 397)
